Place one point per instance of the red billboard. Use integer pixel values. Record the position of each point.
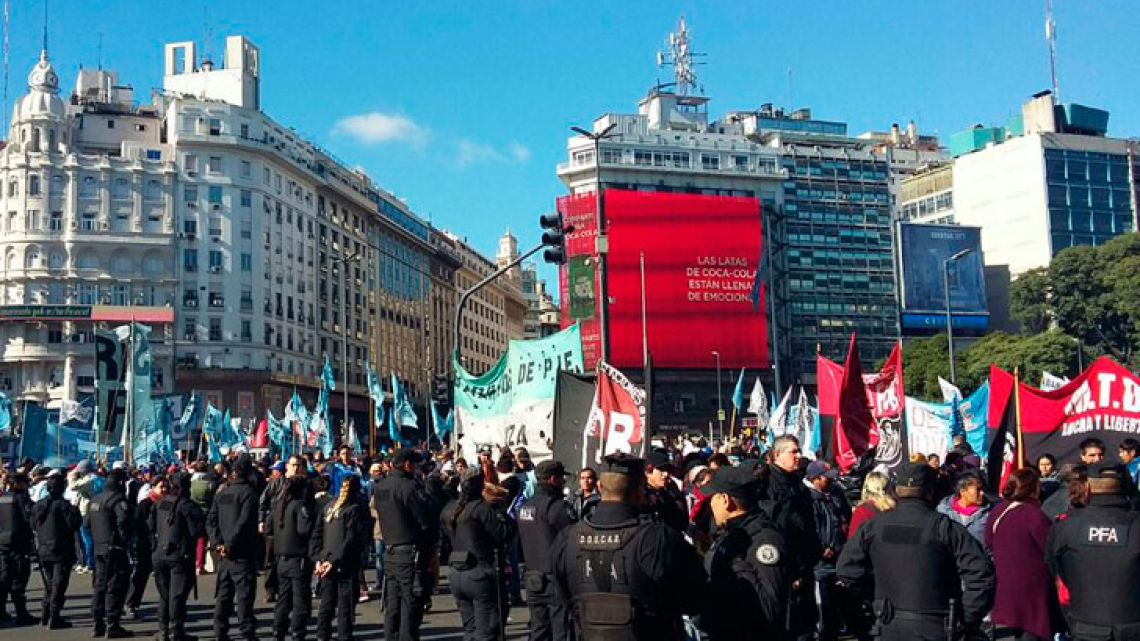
(579, 212)
(701, 256)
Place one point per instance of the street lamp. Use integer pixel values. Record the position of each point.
(949, 317)
(601, 246)
(345, 260)
(719, 398)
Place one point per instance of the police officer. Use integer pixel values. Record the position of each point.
(923, 563)
(176, 523)
(631, 576)
(750, 570)
(478, 533)
(540, 520)
(1096, 552)
(410, 523)
(338, 545)
(110, 520)
(56, 521)
(291, 522)
(15, 549)
(232, 526)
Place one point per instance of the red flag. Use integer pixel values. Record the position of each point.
(260, 435)
(854, 425)
(617, 419)
(829, 379)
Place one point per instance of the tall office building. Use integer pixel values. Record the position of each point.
(494, 315)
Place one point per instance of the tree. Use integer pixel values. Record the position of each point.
(1029, 301)
(924, 360)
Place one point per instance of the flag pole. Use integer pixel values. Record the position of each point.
(1017, 418)
(646, 363)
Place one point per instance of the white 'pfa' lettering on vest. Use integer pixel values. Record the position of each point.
(1103, 535)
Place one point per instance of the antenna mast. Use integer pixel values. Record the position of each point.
(1051, 38)
(680, 56)
(6, 13)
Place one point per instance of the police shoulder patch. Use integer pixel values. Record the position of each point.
(768, 554)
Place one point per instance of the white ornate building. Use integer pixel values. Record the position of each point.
(88, 223)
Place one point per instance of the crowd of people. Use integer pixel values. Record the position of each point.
(691, 540)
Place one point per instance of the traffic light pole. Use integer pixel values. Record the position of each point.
(463, 303)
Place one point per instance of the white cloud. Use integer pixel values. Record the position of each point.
(469, 152)
(375, 128)
(520, 153)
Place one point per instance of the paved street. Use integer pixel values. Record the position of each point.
(442, 622)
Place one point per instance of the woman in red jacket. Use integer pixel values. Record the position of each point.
(876, 497)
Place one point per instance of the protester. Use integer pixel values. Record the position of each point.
(831, 519)
(1050, 476)
(586, 497)
(876, 497)
(1016, 533)
(1092, 451)
(968, 505)
(1129, 455)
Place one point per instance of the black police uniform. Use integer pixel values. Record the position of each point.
(540, 520)
(339, 539)
(478, 534)
(176, 523)
(56, 522)
(264, 517)
(750, 571)
(110, 520)
(291, 527)
(1096, 552)
(631, 577)
(143, 551)
(409, 520)
(15, 554)
(921, 560)
(232, 524)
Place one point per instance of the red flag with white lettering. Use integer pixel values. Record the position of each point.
(1103, 402)
(617, 418)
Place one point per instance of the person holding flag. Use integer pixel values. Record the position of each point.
(737, 403)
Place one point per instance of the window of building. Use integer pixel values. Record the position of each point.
(190, 226)
(246, 331)
(153, 190)
(121, 189)
(214, 165)
(247, 262)
(215, 329)
(215, 126)
(246, 198)
(191, 163)
(190, 260)
(33, 185)
(215, 195)
(87, 222)
(246, 168)
(216, 260)
(32, 220)
(154, 154)
(247, 230)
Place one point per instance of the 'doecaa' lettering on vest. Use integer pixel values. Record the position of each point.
(603, 540)
(1109, 535)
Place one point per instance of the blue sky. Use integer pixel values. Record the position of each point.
(463, 108)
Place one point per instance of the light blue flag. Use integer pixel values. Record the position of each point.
(5, 415)
(139, 382)
(738, 393)
(298, 419)
(403, 414)
(323, 426)
(376, 391)
(33, 434)
(191, 414)
(974, 417)
(212, 428)
(280, 435)
(443, 424)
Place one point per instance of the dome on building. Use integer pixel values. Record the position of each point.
(43, 93)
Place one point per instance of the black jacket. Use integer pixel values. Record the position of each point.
(920, 559)
(340, 535)
(478, 528)
(408, 512)
(232, 521)
(749, 576)
(56, 521)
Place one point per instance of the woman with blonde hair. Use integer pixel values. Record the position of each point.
(877, 496)
(340, 538)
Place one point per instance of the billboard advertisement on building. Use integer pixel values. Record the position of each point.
(701, 258)
(923, 251)
(578, 285)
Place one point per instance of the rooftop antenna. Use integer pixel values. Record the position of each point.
(100, 51)
(1051, 38)
(209, 38)
(680, 56)
(45, 26)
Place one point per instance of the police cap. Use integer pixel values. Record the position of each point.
(624, 464)
(1109, 481)
(548, 469)
(913, 479)
(737, 482)
(660, 460)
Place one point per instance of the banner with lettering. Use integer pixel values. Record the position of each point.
(1103, 402)
(928, 427)
(617, 417)
(110, 386)
(513, 404)
(885, 395)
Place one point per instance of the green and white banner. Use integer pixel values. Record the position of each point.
(513, 404)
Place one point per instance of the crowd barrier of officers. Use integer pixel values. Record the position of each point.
(667, 547)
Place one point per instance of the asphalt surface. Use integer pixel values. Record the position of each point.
(440, 624)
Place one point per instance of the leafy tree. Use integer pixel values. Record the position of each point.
(1029, 301)
(1085, 303)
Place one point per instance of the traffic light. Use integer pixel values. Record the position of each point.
(554, 237)
(441, 389)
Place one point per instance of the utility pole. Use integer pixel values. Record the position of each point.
(601, 242)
